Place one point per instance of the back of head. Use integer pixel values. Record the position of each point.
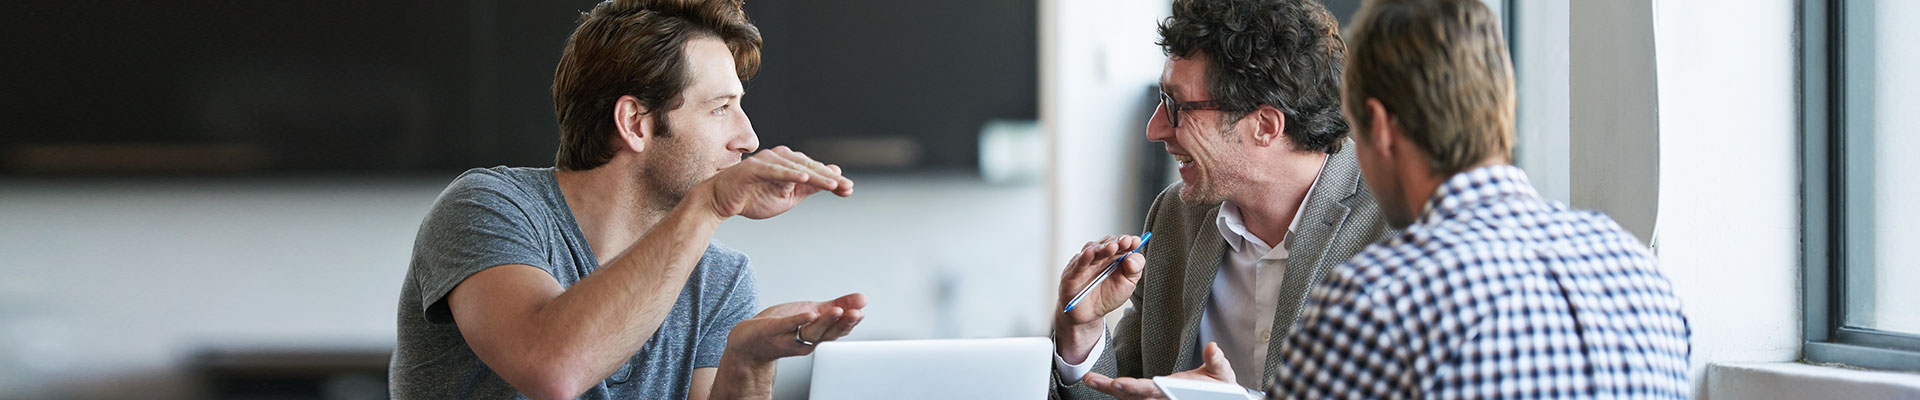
(1282, 53)
(635, 48)
(1440, 69)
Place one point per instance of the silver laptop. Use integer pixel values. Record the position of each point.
(1010, 368)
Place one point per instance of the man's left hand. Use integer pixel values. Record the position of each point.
(769, 336)
(1215, 369)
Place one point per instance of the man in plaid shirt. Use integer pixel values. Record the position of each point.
(1491, 291)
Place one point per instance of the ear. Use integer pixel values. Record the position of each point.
(1380, 130)
(1270, 126)
(631, 120)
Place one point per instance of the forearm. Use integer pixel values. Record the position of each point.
(739, 378)
(600, 322)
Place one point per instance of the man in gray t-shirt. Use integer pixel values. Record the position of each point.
(599, 278)
(504, 216)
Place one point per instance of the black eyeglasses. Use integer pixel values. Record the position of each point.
(1174, 108)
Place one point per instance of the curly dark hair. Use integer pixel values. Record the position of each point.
(1283, 53)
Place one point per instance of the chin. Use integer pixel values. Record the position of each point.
(1198, 194)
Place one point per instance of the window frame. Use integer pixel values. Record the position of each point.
(1824, 132)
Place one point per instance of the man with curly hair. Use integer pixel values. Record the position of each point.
(1270, 198)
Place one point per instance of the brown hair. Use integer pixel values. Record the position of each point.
(635, 47)
(1286, 54)
(1440, 67)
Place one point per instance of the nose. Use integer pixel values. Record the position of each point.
(745, 140)
(1157, 129)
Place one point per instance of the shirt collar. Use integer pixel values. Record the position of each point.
(1233, 227)
(1468, 189)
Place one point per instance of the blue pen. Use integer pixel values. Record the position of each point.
(1103, 274)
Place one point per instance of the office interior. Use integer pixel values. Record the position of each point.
(217, 199)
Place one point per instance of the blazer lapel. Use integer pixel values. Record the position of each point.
(1203, 262)
(1325, 214)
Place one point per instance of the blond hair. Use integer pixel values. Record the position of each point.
(1440, 68)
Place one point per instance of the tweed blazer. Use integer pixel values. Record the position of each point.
(1158, 334)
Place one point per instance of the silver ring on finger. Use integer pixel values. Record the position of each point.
(798, 339)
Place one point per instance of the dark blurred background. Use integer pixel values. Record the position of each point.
(246, 87)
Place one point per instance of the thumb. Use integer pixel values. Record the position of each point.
(1134, 264)
(1216, 364)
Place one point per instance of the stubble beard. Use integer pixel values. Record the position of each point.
(668, 176)
(1216, 180)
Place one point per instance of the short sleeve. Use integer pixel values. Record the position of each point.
(481, 221)
(738, 300)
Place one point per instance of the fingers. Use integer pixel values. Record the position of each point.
(836, 318)
(852, 301)
(1091, 261)
(1214, 366)
(1103, 251)
(844, 326)
(795, 167)
(1112, 246)
(800, 319)
(1096, 256)
(1096, 381)
(816, 330)
(1103, 248)
(1125, 388)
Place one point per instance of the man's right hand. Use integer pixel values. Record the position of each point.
(771, 182)
(1075, 331)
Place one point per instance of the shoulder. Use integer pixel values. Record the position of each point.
(495, 188)
(1376, 270)
(1423, 261)
(490, 202)
(518, 182)
(488, 185)
(719, 255)
(725, 264)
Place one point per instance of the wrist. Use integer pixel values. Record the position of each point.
(1074, 342)
(733, 362)
(737, 378)
(702, 203)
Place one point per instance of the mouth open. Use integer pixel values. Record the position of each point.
(1183, 159)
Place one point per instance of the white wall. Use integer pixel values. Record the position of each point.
(1615, 145)
(1542, 58)
(1097, 63)
(108, 287)
(1729, 175)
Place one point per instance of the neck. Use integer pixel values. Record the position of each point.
(1423, 184)
(611, 208)
(1269, 208)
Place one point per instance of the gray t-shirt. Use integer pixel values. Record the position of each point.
(500, 216)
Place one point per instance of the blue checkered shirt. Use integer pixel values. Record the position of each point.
(1492, 293)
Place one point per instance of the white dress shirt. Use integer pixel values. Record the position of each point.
(1241, 303)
